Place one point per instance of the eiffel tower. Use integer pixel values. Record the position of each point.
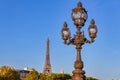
(47, 67)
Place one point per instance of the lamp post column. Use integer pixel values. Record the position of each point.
(78, 73)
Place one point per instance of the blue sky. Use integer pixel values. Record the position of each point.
(26, 24)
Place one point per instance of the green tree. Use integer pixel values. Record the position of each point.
(32, 75)
(1, 78)
(9, 73)
(42, 77)
(91, 78)
(55, 77)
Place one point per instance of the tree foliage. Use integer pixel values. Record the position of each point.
(9, 73)
(60, 77)
(55, 77)
(91, 78)
(32, 75)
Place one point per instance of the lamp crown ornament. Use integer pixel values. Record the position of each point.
(65, 25)
(79, 4)
(92, 21)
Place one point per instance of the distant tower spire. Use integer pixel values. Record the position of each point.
(62, 71)
(47, 67)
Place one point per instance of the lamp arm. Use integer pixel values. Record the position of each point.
(89, 41)
(67, 42)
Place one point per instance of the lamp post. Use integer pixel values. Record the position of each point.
(79, 16)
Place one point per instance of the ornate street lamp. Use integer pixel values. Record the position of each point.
(79, 16)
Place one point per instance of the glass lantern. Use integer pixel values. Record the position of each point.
(79, 15)
(65, 32)
(92, 29)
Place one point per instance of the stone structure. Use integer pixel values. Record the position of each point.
(47, 67)
(24, 72)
